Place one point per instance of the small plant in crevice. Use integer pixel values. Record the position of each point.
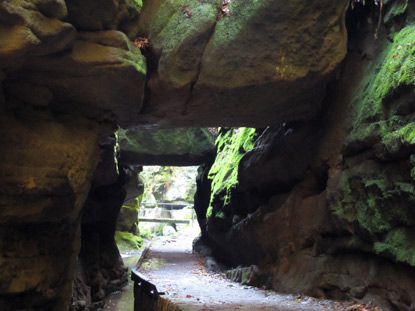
(141, 43)
(224, 10)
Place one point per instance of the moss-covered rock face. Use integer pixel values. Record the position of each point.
(231, 146)
(127, 220)
(272, 58)
(377, 195)
(185, 146)
(382, 106)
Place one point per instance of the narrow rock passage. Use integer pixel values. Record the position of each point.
(173, 267)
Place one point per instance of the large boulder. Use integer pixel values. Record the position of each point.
(32, 28)
(191, 146)
(102, 77)
(268, 61)
(47, 63)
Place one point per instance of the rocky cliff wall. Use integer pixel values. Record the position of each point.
(68, 73)
(326, 207)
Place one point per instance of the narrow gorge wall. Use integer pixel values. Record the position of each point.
(341, 145)
(325, 207)
(67, 75)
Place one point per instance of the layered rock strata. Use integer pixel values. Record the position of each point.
(326, 207)
(63, 80)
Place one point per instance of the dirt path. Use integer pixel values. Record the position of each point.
(171, 265)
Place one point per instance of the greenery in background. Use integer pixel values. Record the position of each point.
(166, 184)
(162, 183)
(127, 240)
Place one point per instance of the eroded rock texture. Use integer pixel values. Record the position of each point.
(45, 168)
(266, 62)
(326, 207)
(323, 200)
(61, 83)
(169, 147)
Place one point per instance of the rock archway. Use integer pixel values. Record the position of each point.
(341, 114)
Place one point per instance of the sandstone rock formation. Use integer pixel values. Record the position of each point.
(324, 199)
(46, 165)
(266, 62)
(326, 207)
(170, 147)
(59, 89)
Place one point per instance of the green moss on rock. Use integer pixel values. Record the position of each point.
(127, 240)
(377, 196)
(397, 8)
(231, 144)
(170, 145)
(398, 244)
(376, 199)
(393, 70)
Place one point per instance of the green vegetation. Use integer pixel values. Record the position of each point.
(164, 142)
(231, 145)
(400, 244)
(378, 196)
(127, 240)
(397, 70)
(169, 183)
(396, 8)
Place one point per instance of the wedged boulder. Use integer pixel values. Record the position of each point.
(101, 77)
(32, 28)
(97, 15)
(267, 62)
(169, 147)
(177, 42)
